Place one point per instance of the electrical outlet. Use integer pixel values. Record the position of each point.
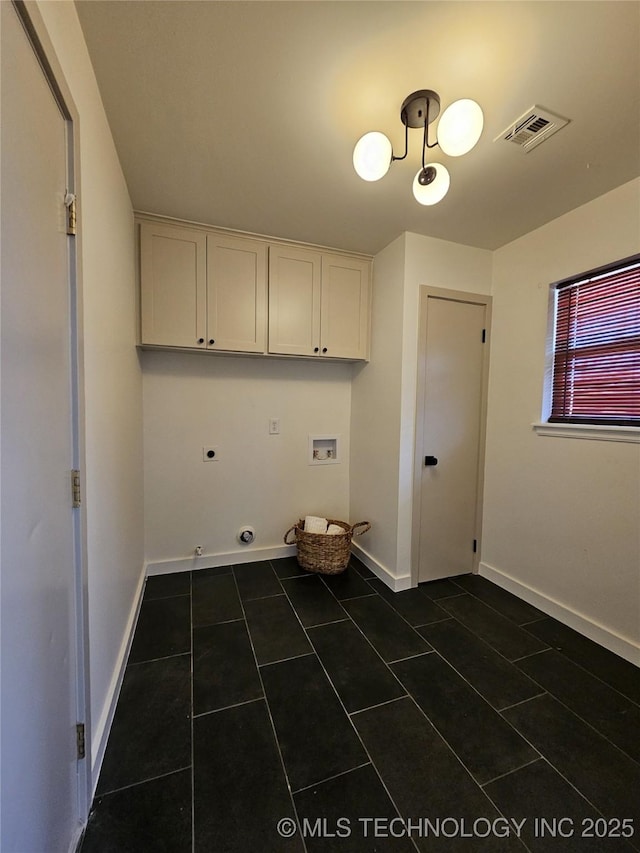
(274, 426)
(210, 454)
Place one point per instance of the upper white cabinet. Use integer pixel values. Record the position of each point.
(173, 272)
(236, 294)
(319, 304)
(345, 307)
(294, 301)
(202, 288)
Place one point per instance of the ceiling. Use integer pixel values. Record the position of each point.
(245, 114)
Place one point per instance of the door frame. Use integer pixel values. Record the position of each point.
(427, 292)
(36, 30)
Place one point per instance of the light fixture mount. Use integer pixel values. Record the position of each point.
(427, 176)
(425, 103)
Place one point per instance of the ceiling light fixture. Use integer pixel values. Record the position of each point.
(458, 131)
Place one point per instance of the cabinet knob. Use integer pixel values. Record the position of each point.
(200, 340)
(211, 341)
(316, 349)
(324, 349)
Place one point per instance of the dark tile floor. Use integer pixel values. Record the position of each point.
(449, 717)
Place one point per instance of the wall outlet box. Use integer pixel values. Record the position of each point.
(324, 449)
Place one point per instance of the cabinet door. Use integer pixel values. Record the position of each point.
(294, 301)
(236, 294)
(345, 309)
(173, 285)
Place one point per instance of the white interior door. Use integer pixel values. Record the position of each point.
(452, 401)
(39, 611)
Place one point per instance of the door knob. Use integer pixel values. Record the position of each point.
(430, 460)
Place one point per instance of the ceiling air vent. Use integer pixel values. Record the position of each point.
(532, 128)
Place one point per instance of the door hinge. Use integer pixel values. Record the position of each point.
(70, 204)
(484, 336)
(80, 740)
(475, 545)
(76, 496)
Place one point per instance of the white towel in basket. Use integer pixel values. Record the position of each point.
(313, 524)
(334, 529)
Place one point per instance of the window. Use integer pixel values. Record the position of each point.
(596, 353)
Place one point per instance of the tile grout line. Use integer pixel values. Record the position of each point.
(453, 752)
(509, 772)
(483, 642)
(445, 614)
(544, 759)
(499, 810)
(268, 708)
(414, 628)
(532, 655)
(165, 597)
(141, 782)
(378, 705)
(522, 701)
(324, 624)
(491, 646)
(495, 609)
(228, 707)
(447, 597)
(579, 717)
(213, 624)
(557, 769)
(575, 662)
(349, 618)
(486, 701)
(261, 597)
(331, 778)
(584, 668)
(435, 622)
(577, 790)
(284, 660)
(348, 716)
(429, 651)
(155, 660)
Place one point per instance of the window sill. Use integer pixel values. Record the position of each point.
(595, 432)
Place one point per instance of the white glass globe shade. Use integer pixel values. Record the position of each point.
(435, 191)
(372, 156)
(460, 127)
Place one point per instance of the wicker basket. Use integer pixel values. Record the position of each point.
(327, 554)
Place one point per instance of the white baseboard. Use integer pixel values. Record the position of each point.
(254, 555)
(397, 584)
(616, 643)
(100, 734)
(229, 558)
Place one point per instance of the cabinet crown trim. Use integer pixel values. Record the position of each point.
(145, 216)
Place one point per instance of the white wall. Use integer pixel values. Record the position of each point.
(112, 387)
(434, 263)
(375, 413)
(193, 401)
(561, 515)
(384, 391)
